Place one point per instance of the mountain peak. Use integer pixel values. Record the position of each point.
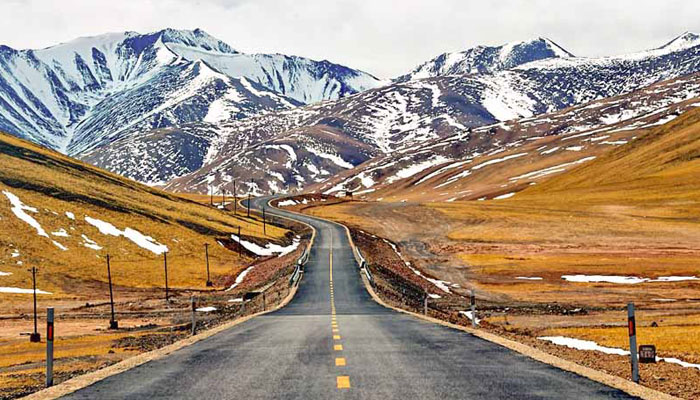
(685, 40)
(488, 59)
(196, 38)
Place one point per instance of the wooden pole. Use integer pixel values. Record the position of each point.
(240, 246)
(264, 223)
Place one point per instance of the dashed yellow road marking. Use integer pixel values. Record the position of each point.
(343, 382)
(340, 361)
(335, 330)
(336, 337)
(338, 347)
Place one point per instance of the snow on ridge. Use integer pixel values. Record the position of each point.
(497, 160)
(411, 170)
(336, 159)
(135, 236)
(551, 170)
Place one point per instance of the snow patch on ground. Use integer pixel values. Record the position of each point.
(206, 309)
(240, 277)
(20, 210)
(90, 244)
(469, 315)
(529, 278)
(21, 291)
(627, 280)
(135, 236)
(269, 248)
(589, 345)
(504, 196)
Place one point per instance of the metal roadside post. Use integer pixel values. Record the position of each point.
(194, 318)
(49, 346)
(472, 301)
(113, 324)
(631, 325)
(425, 304)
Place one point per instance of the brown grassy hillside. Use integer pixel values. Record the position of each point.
(53, 186)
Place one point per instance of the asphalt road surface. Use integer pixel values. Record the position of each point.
(334, 341)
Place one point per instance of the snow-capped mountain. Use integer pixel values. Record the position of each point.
(487, 59)
(86, 93)
(387, 121)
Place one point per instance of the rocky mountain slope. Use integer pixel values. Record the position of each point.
(404, 116)
(86, 93)
(502, 159)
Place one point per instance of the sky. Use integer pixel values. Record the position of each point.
(385, 38)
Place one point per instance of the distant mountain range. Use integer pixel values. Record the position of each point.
(86, 93)
(198, 114)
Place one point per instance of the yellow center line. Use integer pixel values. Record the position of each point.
(338, 347)
(336, 337)
(343, 382)
(340, 361)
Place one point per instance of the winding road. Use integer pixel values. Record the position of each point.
(333, 341)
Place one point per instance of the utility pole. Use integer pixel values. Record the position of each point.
(165, 265)
(113, 324)
(206, 252)
(34, 337)
(248, 204)
(223, 199)
(211, 195)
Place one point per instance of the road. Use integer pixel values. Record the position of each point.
(333, 341)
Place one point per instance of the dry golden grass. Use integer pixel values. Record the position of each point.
(678, 341)
(55, 184)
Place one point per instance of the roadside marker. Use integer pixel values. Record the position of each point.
(343, 382)
(49, 346)
(338, 347)
(339, 361)
(632, 328)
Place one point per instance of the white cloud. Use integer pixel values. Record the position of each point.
(383, 37)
